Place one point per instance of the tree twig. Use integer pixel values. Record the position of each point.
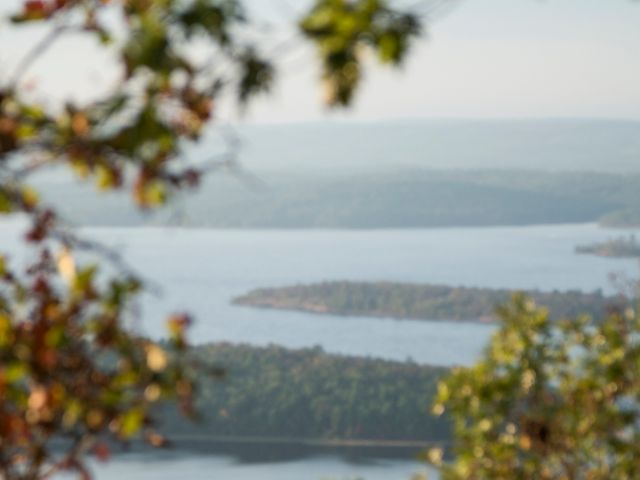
(39, 49)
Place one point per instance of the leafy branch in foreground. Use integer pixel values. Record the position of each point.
(71, 370)
(547, 401)
(71, 366)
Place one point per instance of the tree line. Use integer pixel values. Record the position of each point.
(419, 301)
(309, 394)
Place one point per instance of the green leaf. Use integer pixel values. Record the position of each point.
(6, 205)
(131, 423)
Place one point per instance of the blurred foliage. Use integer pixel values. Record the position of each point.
(548, 400)
(413, 198)
(343, 29)
(71, 366)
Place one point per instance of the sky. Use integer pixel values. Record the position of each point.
(480, 59)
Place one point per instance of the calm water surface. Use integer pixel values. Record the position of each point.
(201, 270)
(266, 461)
(207, 467)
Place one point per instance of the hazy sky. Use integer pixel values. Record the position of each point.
(484, 58)
(504, 58)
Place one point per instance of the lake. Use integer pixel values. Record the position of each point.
(227, 467)
(201, 270)
(242, 460)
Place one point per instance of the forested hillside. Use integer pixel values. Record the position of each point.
(399, 199)
(308, 394)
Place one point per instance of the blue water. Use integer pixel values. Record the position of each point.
(201, 270)
(206, 467)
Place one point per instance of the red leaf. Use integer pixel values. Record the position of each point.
(102, 452)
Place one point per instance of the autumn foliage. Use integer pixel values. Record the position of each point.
(72, 368)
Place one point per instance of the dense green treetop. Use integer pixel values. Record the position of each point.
(308, 394)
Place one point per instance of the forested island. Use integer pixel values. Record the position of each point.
(418, 301)
(277, 393)
(621, 247)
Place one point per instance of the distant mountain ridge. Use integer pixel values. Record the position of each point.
(400, 199)
(599, 145)
(401, 174)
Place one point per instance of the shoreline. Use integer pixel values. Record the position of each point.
(310, 442)
(423, 302)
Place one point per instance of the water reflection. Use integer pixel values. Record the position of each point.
(235, 461)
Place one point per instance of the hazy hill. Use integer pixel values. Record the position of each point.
(403, 174)
(407, 199)
(539, 144)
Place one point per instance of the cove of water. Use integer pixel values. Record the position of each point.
(176, 465)
(200, 271)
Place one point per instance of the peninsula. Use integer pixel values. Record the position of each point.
(418, 301)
